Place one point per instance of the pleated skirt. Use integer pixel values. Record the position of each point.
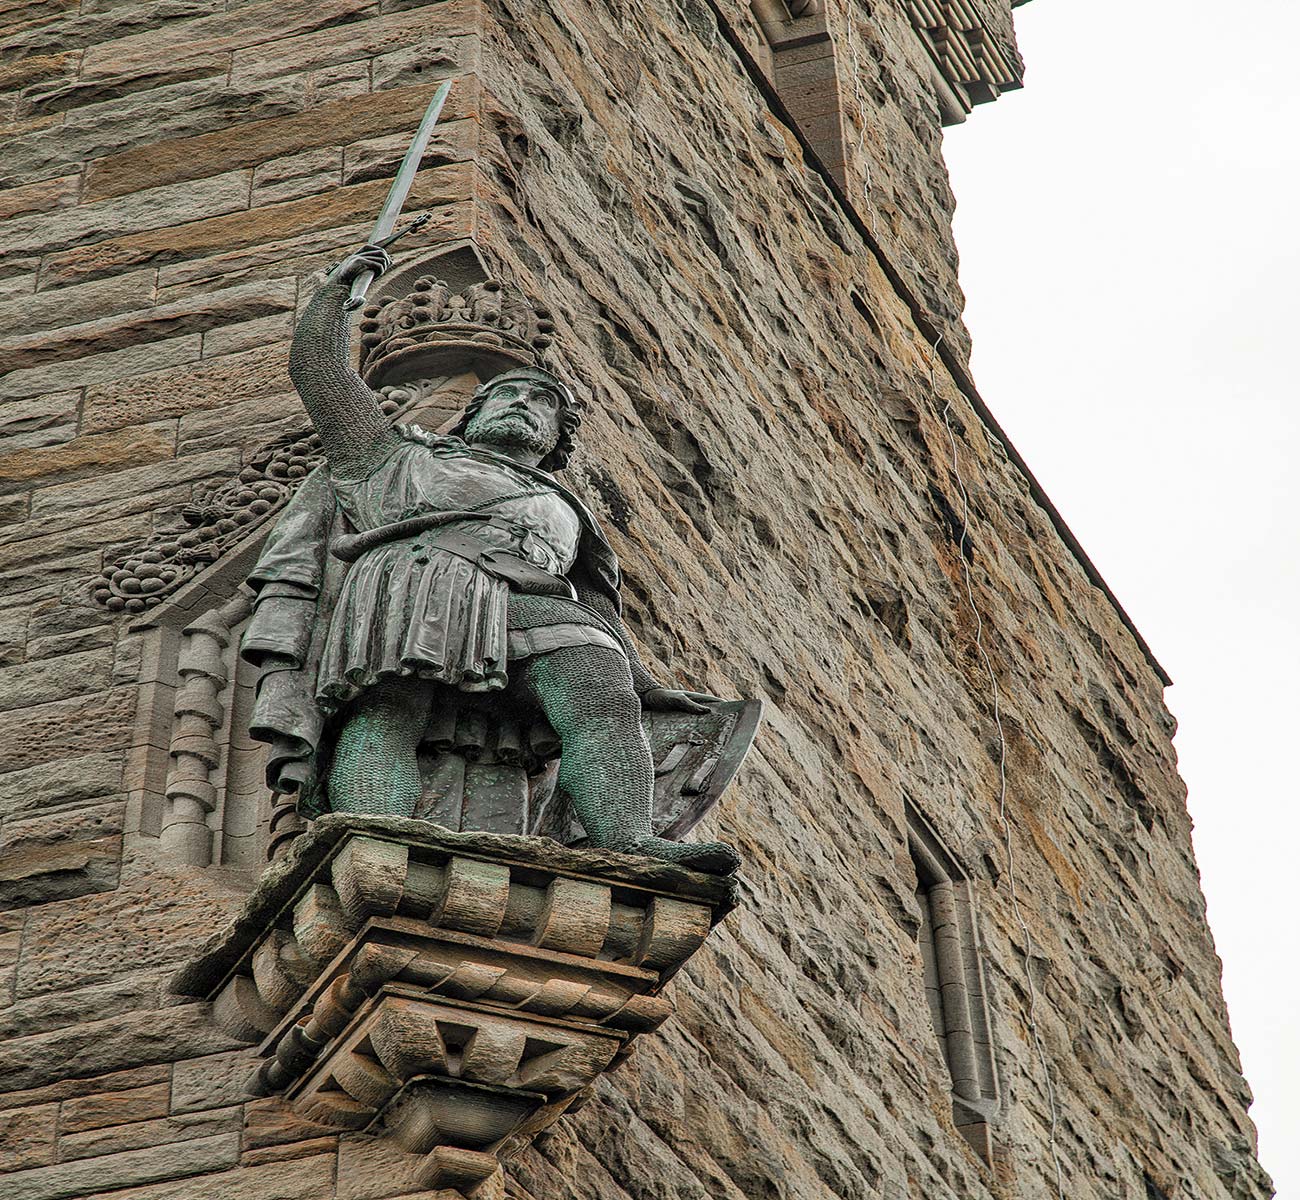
(408, 610)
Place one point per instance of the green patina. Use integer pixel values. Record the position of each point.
(453, 545)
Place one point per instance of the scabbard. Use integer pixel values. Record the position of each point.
(351, 546)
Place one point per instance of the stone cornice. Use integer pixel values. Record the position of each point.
(973, 63)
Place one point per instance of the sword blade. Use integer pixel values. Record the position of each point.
(406, 173)
(400, 189)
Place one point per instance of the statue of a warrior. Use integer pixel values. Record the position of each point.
(415, 563)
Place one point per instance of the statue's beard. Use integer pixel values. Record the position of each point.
(510, 429)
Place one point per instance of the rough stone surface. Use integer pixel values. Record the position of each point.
(767, 452)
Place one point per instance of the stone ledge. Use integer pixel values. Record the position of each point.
(284, 881)
(455, 992)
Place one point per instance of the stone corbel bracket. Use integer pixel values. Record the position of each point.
(455, 992)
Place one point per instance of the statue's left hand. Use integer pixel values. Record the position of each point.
(663, 699)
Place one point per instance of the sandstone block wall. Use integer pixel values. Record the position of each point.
(765, 442)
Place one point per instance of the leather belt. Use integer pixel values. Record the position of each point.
(521, 574)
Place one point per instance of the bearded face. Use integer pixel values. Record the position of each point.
(518, 413)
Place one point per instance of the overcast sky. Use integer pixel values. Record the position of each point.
(1128, 231)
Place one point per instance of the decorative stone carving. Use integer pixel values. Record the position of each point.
(220, 517)
(196, 779)
(971, 67)
(457, 993)
(205, 669)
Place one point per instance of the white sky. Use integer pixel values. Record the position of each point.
(1128, 230)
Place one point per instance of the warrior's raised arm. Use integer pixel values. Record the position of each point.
(354, 432)
(352, 429)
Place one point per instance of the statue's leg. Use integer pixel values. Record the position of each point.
(605, 764)
(375, 768)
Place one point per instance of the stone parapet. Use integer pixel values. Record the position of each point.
(457, 993)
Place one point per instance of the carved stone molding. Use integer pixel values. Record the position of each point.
(205, 668)
(971, 66)
(457, 993)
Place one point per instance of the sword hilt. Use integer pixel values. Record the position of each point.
(361, 284)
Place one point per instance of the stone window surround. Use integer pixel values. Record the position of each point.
(951, 954)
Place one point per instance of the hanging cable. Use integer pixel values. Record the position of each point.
(995, 692)
(1031, 1016)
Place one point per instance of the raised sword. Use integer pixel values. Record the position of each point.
(382, 234)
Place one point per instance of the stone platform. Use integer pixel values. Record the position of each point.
(456, 992)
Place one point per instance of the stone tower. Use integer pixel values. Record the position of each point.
(970, 955)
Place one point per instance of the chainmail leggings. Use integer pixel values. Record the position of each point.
(586, 694)
(375, 768)
(605, 764)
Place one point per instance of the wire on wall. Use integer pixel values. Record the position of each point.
(995, 693)
(1031, 1016)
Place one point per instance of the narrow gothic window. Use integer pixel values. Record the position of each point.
(954, 983)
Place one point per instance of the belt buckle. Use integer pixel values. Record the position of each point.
(520, 534)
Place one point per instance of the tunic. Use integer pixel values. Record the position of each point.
(408, 608)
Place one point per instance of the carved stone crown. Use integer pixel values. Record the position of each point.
(420, 333)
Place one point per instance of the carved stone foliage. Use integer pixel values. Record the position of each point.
(219, 518)
(456, 993)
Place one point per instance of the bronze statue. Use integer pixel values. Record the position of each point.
(450, 562)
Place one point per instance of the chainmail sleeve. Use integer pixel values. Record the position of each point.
(593, 598)
(353, 430)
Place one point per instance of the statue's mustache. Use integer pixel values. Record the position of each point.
(513, 416)
(512, 426)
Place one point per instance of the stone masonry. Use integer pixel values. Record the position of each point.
(754, 338)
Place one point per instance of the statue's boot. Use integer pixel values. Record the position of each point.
(713, 858)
